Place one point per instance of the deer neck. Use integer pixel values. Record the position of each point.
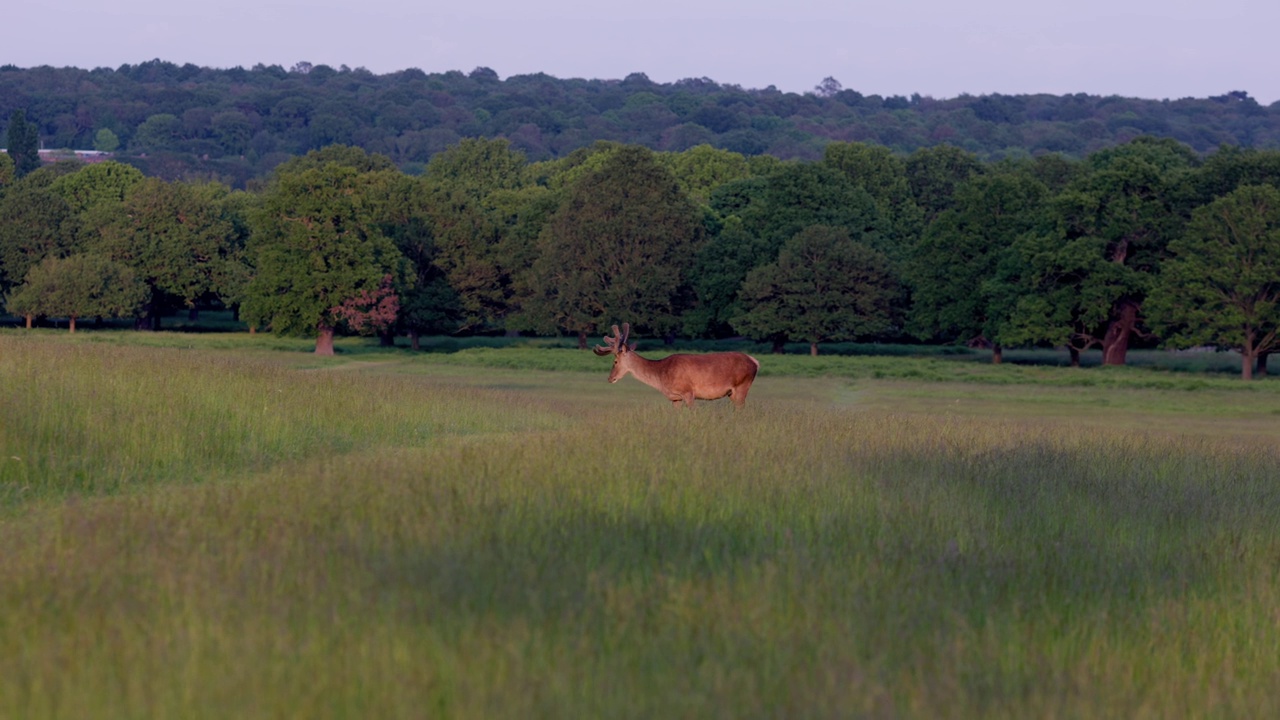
(648, 372)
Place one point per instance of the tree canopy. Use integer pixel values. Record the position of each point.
(1222, 285)
(316, 244)
(822, 287)
(618, 248)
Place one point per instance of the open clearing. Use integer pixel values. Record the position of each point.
(253, 533)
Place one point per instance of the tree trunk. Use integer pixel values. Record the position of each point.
(193, 314)
(1246, 364)
(997, 354)
(72, 324)
(29, 318)
(582, 339)
(779, 346)
(1075, 356)
(1115, 345)
(813, 349)
(253, 329)
(413, 340)
(1262, 364)
(324, 340)
(387, 338)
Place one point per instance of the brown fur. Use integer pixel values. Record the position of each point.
(685, 378)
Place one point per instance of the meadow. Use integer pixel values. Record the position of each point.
(219, 526)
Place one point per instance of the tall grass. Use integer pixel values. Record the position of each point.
(89, 418)
(542, 554)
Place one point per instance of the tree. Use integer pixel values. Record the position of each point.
(935, 172)
(345, 155)
(161, 131)
(33, 226)
(178, 238)
(701, 169)
(316, 244)
(719, 267)
(884, 176)
(618, 248)
(7, 175)
(1087, 277)
(83, 285)
(959, 269)
(1222, 285)
(97, 184)
(106, 141)
(23, 143)
(799, 195)
(829, 87)
(479, 206)
(822, 287)
(428, 304)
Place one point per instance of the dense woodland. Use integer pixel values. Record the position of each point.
(235, 125)
(1147, 242)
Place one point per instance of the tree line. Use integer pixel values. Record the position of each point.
(1146, 242)
(237, 124)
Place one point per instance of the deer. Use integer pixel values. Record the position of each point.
(682, 378)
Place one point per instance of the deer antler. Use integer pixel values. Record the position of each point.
(613, 344)
(610, 346)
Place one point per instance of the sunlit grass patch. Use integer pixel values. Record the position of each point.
(100, 419)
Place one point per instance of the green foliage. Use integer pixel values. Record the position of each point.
(484, 219)
(1231, 167)
(884, 176)
(237, 124)
(33, 225)
(1085, 280)
(799, 195)
(477, 167)
(158, 132)
(618, 248)
(180, 238)
(83, 285)
(316, 243)
(7, 174)
(719, 267)
(934, 173)
(702, 168)
(336, 154)
(97, 184)
(964, 270)
(106, 141)
(1222, 285)
(23, 143)
(822, 287)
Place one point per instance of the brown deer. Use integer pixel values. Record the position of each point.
(683, 378)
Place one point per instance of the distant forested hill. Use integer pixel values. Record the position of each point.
(235, 124)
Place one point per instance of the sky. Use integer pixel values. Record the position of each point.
(940, 48)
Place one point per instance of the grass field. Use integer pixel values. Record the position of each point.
(216, 526)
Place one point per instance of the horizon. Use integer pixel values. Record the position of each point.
(344, 67)
(1129, 48)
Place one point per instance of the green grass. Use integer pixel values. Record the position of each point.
(252, 532)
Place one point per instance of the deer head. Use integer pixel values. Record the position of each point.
(617, 347)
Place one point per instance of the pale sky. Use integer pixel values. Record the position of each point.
(1148, 49)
